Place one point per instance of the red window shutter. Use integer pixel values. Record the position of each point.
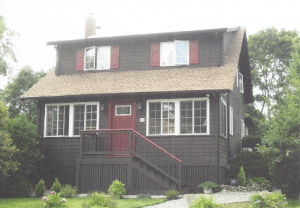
(114, 64)
(194, 53)
(155, 55)
(80, 59)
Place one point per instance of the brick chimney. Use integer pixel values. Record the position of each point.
(90, 26)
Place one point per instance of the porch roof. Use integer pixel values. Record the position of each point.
(217, 78)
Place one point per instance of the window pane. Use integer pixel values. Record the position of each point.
(182, 52)
(78, 118)
(168, 117)
(123, 110)
(186, 118)
(200, 118)
(91, 117)
(90, 58)
(166, 53)
(155, 118)
(103, 57)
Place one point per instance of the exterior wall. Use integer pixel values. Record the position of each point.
(136, 54)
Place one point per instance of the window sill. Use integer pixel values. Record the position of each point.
(176, 135)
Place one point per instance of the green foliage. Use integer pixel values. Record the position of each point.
(54, 200)
(25, 79)
(116, 189)
(56, 186)
(270, 53)
(6, 46)
(144, 196)
(172, 194)
(7, 149)
(274, 200)
(100, 199)
(26, 139)
(207, 185)
(241, 178)
(204, 202)
(68, 191)
(40, 188)
(254, 164)
(260, 183)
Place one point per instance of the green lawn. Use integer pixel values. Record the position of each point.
(291, 203)
(75, 202)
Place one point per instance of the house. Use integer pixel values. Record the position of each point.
(156, 111)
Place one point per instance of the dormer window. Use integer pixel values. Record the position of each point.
(97, 58)
(178, 52)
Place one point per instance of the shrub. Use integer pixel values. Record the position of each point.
(241, 177)
(144, 196)
(274, 200)
(56, 186)
(172, 194)
(204, 202)
(116, 189)
(260, 183)
(99, 199)
(207, 185)
(40, 188)
(17, 186)
(68, 191)
(54, 200)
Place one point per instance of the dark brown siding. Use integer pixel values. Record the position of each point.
(137, 55)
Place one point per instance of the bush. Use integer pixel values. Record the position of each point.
(54, 200)
(56, 186)
(116, 189)
(40, 188)
(100, 199)
(207, 185)
(260, 183)
(274, 200)
(17, 186)
(241, 177)
(204, 202)
(172, 194)
(68, 191)
(144, 196)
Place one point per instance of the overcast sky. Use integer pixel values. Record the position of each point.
(41, 21)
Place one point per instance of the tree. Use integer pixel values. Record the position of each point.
(281, 143)
(13, 91)
(6, 47)
(7, 150)
(26, 139)
(270, 52)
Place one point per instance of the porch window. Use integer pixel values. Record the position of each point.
(85, 118)
(223, 118)
(175, 117)
(57, 120)
(69, 118)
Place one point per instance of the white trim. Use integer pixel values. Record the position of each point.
(231, 120)
(122, 114)
(71, 117)
(177, 115)
(224, 102)
(241, 82)
(94, 58)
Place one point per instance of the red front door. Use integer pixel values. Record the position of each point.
(123, 115)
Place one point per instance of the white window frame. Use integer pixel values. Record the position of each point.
(242, 128)
(71, 117)
(116, 114)
(223, 102)
(177, 116)
(57, 122)
(96, 58)
(241, 82)
(231, 120)
(172, 45)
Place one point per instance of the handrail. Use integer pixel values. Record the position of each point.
(140, 135)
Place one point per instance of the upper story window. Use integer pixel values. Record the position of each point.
(69, 119)
(223, 118)
(178, 117)
(178, 52)
(97, 58)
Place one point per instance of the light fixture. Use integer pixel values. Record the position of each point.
(102, 107)
(139, 106)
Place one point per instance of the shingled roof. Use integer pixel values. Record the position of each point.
(217, 78)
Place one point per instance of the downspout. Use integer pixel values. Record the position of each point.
(217, 140)
(57, 69)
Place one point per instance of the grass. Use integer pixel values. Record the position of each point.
(291, 203)
(75, 202)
